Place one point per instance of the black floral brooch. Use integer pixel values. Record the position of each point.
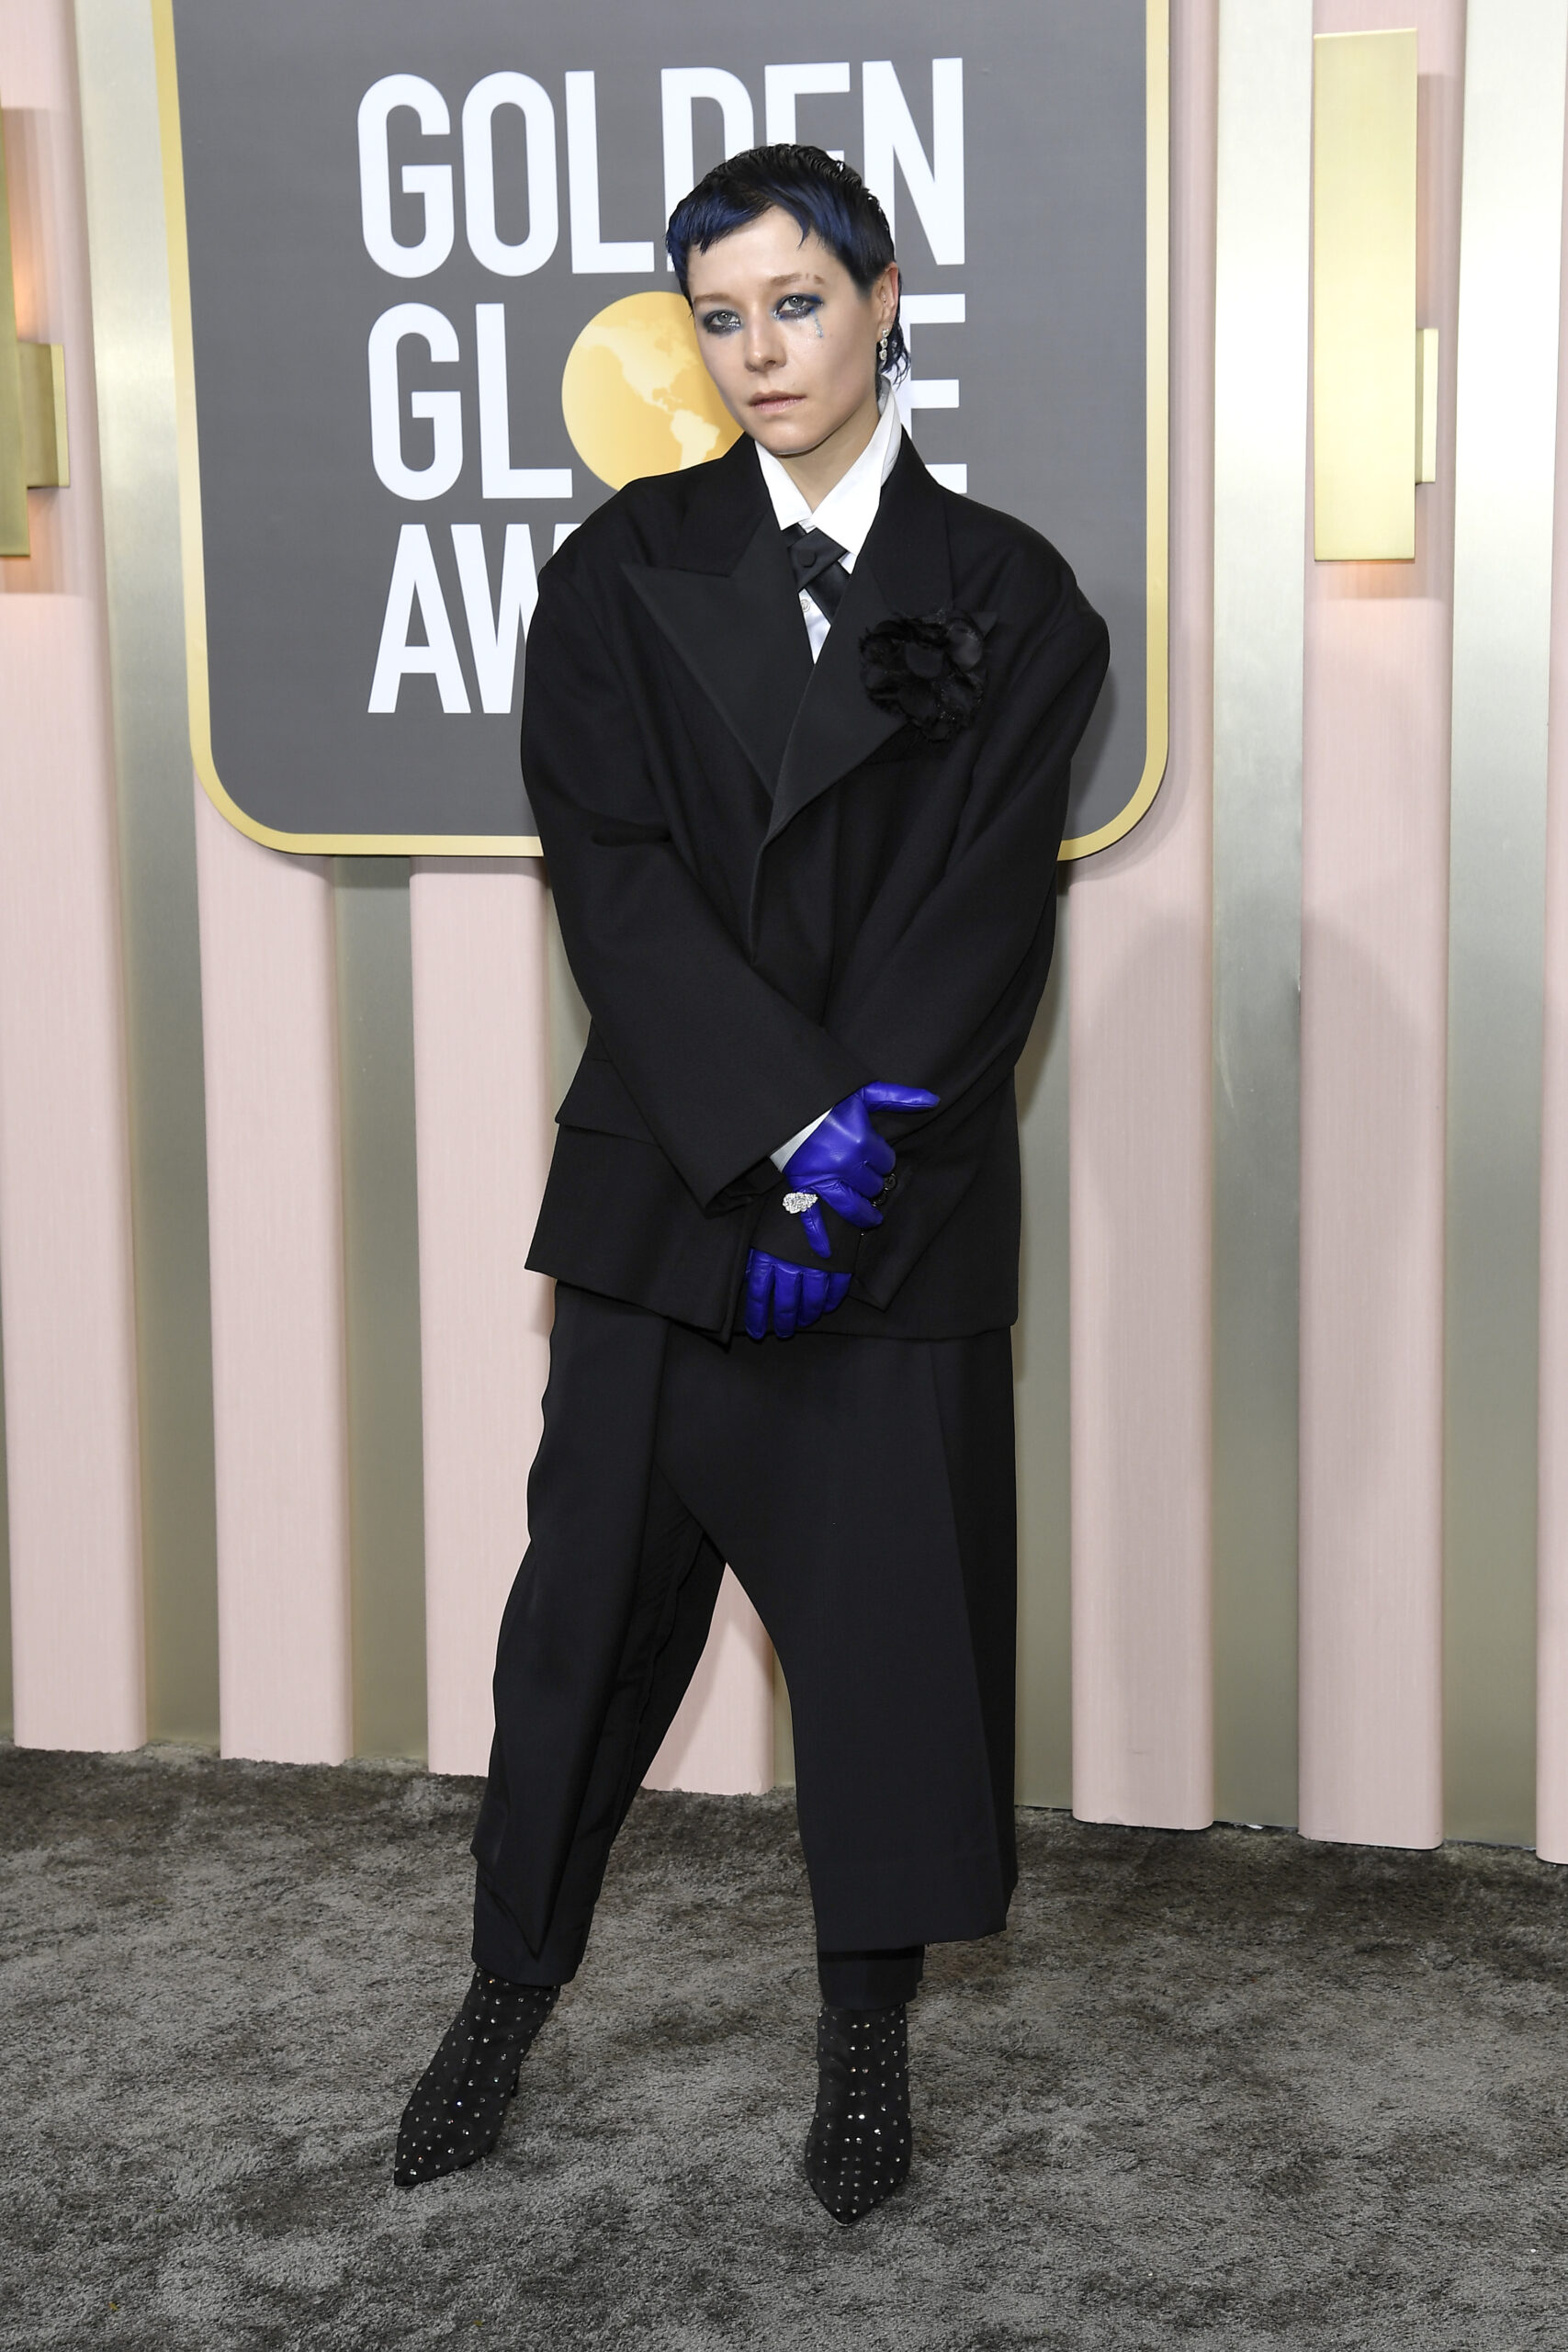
(928, 667)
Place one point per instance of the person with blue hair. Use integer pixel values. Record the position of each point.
(797, 731)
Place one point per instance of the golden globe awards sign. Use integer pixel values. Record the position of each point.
(425, 324)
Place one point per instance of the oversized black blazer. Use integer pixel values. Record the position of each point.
(771, 889)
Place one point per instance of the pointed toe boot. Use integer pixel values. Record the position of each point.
(857, 2151)
(459, 2102)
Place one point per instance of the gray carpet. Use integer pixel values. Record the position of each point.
(1227, 2090)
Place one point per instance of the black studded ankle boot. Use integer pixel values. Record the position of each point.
(459, 2102)
(857, 2151)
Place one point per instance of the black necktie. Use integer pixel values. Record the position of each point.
(818, 570)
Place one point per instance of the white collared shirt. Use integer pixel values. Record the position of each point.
(850, 508)
(846, 515)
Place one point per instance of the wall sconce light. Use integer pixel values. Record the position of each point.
(33, 450)
(1374, 375)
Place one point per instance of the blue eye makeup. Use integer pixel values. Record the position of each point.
(788, 307)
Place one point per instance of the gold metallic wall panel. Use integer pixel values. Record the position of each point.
(133, 358)
(46, 433)
(1364, 295)
(1515, 56)
(568, 1015)
(1042, 1403)
(380, 1235)
(1260, 353)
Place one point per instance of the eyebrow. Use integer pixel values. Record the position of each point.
(786, 277)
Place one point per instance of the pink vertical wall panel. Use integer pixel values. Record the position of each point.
(721, 1742)
(279, 1394)
(482, 1108)
(1140, 1012)
(1551, 1638)
(65, 1256)
(722, 1739)
(1374, 994)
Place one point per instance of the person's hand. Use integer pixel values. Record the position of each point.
(784, 1298)
(846, 1163)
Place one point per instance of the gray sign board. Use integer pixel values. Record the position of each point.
(400, 223)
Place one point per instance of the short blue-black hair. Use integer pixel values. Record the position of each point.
(825, 197)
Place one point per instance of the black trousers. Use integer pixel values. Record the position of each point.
(862, 1491)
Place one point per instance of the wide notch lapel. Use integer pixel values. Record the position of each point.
(729, 607)
(904, 567)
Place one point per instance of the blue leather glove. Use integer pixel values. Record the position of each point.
(846, 1163)
(784, 1298)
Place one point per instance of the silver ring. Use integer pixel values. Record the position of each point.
(798, 1203)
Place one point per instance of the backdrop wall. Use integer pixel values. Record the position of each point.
(1293, 1359)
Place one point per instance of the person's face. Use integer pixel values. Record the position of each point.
(788, 337)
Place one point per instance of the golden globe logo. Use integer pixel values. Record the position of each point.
(635, 393)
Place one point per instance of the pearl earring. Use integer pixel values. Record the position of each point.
(882, 353)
